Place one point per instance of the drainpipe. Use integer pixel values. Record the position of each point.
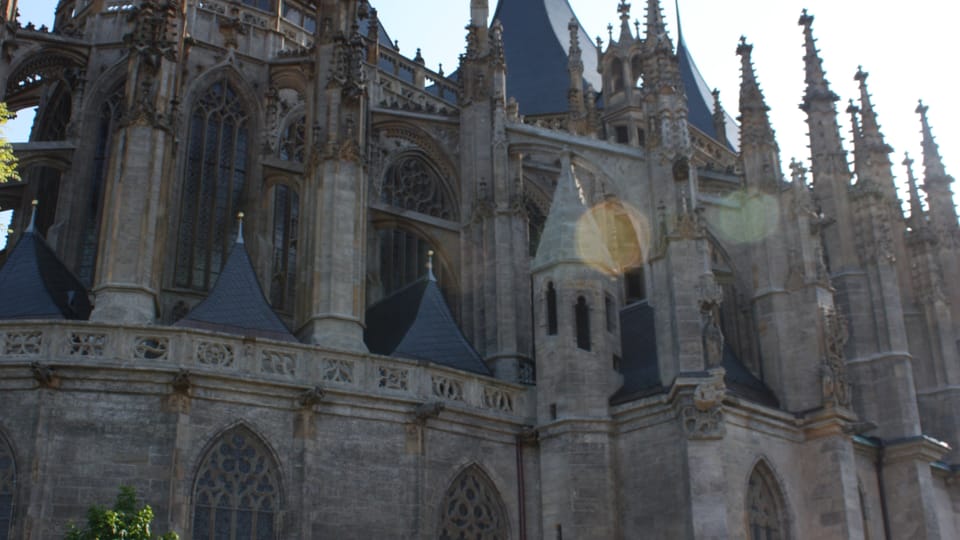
(521, 496)
(882, 490)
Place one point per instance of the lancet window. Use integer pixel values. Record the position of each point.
(286, 218)
(107, 122)
(8, 482)
(216, 170)
(765, 514)
(551, 310)
(237, 490)
(581, 312)
(472, 508)
(412, 184)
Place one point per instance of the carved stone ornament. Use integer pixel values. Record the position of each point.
(425, 411)
(45, 375)
(704, 418)
(312, 397)
(181, 382)
(713, 340)
(834, 381)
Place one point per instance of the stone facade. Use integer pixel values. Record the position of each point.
(683, 343)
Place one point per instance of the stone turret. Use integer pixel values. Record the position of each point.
(577, 338)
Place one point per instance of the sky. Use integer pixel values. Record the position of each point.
(908, 48)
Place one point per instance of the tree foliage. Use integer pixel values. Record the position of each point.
(124, 522)
(8, 161)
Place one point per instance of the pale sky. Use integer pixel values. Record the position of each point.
(908, 49)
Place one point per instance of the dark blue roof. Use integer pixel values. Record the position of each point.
(34, 284)
(236, 304)
(638, 348)
(641, 372)
(536, 60)
(699, 109)
(416, 323)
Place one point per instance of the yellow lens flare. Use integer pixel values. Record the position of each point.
(612, 236)
(749, 217)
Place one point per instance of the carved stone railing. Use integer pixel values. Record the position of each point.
(200, 352)
(409, 85)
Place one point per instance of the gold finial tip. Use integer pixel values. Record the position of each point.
(430, 253)
(34, 202)
(239, 215)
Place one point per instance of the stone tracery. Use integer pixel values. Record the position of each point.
(237, 491)
(473, 509)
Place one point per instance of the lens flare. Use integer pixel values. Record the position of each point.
(749, 217)
(612, 237)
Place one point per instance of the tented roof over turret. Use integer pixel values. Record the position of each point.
(35, 284)
(416, 323)
(236, 304)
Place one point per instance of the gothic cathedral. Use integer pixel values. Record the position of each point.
(289, 283)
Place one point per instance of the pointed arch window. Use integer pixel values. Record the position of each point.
(8, 483)
(212, 186)
(237, 490)
(286, 219)
(581, 312)
(551, 310)
(765, 513)
(107, 121)
(412, 184)
(472, 508)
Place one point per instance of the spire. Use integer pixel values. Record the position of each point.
(932, 162)
(917, 219)
(35, 284)
(859, 148)
(817, 86)
(657, 38)
(872, 137)
(570, 234)
(719, 118)
(625, 35)
(236, 303)
(754, 119)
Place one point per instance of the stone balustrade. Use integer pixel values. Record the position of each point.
(163, 347)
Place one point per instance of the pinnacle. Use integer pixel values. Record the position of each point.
(932, 162)
(817, 86)
(916, 206)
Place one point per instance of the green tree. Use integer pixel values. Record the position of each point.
(124, 522)
(8, 161)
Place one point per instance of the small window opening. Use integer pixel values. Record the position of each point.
(582, 316)
(635, 284)
(609, 311)
(623, 136)
(551, 310)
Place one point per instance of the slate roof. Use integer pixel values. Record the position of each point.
(416, 323)
(535, 44)
(570, 234)
(641, 372)
(35, 284)
(236, 304)
(638, 349)
(536, 41)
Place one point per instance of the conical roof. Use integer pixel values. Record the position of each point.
(35, 284)
(416, 323)
(570, 234)
(236, 304)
